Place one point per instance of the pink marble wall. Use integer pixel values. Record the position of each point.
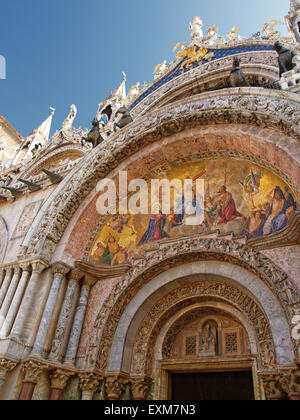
(288, 259)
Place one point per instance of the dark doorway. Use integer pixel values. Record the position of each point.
(223, 386)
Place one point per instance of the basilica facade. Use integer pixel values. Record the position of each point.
(145, 306)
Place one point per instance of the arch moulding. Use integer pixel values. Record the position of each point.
(270, 287)
(259, 108)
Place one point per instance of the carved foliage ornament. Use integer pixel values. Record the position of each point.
(169, 255)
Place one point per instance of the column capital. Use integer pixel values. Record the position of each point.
(294, 386)
(115, 386)
(140, 388)
(60, 268)
(32, 370)
(76, 275)
(89, 382)
(39, 266)
(15, 267)
(25, 265)
(59, 378)
(272, 387)
(89, 281)
(7, 365)
(9, 269)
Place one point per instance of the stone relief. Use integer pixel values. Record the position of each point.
(26, 219)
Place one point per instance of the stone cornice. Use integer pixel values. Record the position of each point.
(103, 272)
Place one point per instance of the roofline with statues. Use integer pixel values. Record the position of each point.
(203, 65)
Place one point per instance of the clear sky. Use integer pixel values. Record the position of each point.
(60, 52)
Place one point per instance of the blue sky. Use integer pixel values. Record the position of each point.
(61, 52)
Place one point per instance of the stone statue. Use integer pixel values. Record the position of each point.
(160, 70)
(212, 36)
(269, 31)
(208, 340)
(233, 36)
(124, 120)
(196, 31)
(133, 92)
(237, 77)
(94, 135)
(285, 59)
(67, 124)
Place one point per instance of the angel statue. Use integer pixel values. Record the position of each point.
(181, 45)
(160, 70)
(233, 36)
(133, 92)
(270, 32)
(196, 31)
(212, 36)
(67, 124)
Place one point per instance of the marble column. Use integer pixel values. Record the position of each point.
(59, 272)
(14, 307)
(6, 366)
(6, 283)
(32, 371)
(10, 293)
(58, 382)
(2, 276)
(70, 357)
(28, 300)
(89, 384)
(66, 317)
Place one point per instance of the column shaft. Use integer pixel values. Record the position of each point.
(2, 276)
(28, 300)
(47, 314)
(6, 283)
(64, 322)
(27, 391)
(10, 294)
(77, 324)
(13, 310)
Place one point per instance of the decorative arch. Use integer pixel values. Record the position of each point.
(247, 106)
(268, 284)
(208, 294)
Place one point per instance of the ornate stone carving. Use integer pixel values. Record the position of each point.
(185, 296)
(140, 388)
(38, 266)
(89, 382)
(115, 386)
(272, 387)
(264, 109)
(67, 124)
(32, 370)
(76, 275)
(60, 269)
(170, 254)
(59, 378)
(6, 366)
(294, 386)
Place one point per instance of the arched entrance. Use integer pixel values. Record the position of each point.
(153, 307)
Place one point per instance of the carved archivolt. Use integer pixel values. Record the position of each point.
(168, 306)
(210, 77)
(258, 107)
(168, 255)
